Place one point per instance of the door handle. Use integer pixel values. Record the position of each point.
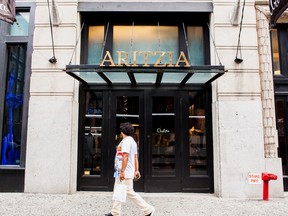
(148, 139)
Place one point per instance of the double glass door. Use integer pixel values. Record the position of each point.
(171, 134)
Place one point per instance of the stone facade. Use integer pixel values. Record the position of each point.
(244, 131)
(51, 158)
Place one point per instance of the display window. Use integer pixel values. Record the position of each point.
(15, 41)
(13, 111)
(197, 134)
(275, 52)
(137, 44)
(279, 41)
(93, 134)
(279, 38)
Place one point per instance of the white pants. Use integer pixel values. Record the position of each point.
(133, 196)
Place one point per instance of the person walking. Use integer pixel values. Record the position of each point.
(126, 169)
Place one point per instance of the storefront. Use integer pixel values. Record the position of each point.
(200, 126)
(154, 72)
(15, 66)
(279, 41)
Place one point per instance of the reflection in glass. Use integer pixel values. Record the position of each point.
(163, 137)
(145, 77)
(90, 77)
(197, 134)
(95, 44)
(127, 111)
(281, 109)
(173, 77)
(118, 77)
(21, 26)
(12, 119)
(145, 38)
(93, 134)
(196, 44)
(275, 48)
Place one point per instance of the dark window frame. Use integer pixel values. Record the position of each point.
(5, 41)
(281, 88)
(282, 36)
(145, 18)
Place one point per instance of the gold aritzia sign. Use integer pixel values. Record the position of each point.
(158, 55)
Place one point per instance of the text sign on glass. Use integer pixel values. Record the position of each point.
(123, 56)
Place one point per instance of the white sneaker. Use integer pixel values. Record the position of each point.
(152, 212)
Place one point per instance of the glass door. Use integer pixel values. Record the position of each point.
(92, 173)
(197, 140)
(128, 108)
(163, 140)
(163, 137)
(179, 147)
(282, 127)
(171, 130)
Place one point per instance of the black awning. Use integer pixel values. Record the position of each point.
(135, 76)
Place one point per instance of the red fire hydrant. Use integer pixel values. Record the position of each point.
(266, 177)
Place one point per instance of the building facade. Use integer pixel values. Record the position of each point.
(195, 78)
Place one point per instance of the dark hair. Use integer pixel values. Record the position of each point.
(127, 128)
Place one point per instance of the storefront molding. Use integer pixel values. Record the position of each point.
(145, 6)
(12, 179)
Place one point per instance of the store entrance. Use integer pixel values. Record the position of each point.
(157, 122)
(171, 133)
(282, 127)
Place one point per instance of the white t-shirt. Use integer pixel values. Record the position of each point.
(127, 145)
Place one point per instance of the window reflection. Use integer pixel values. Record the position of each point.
(281, 127)
(127, 111)
(195, 36)
(93, 134)
(12, 124)
(163, 137)
(21, 26)
(275, 49)
(145, 38)
(95, 44)
(197, 134)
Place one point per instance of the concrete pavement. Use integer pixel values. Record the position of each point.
(166, 204)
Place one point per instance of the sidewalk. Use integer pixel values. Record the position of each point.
(98, 203)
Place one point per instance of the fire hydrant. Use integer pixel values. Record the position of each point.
(266, 177)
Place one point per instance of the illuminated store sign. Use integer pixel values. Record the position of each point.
(158, 55)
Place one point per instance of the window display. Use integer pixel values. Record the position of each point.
(12, 124)
(163, 137)
(197, 134)
(93, 134)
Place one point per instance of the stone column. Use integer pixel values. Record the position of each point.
(273, 164)
(51, 158)
(237, 107)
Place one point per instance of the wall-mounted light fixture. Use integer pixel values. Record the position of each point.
(238, 59)
(52, 60)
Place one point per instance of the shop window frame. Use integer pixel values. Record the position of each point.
(142, 18)
(282, 36)
(5, 40)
